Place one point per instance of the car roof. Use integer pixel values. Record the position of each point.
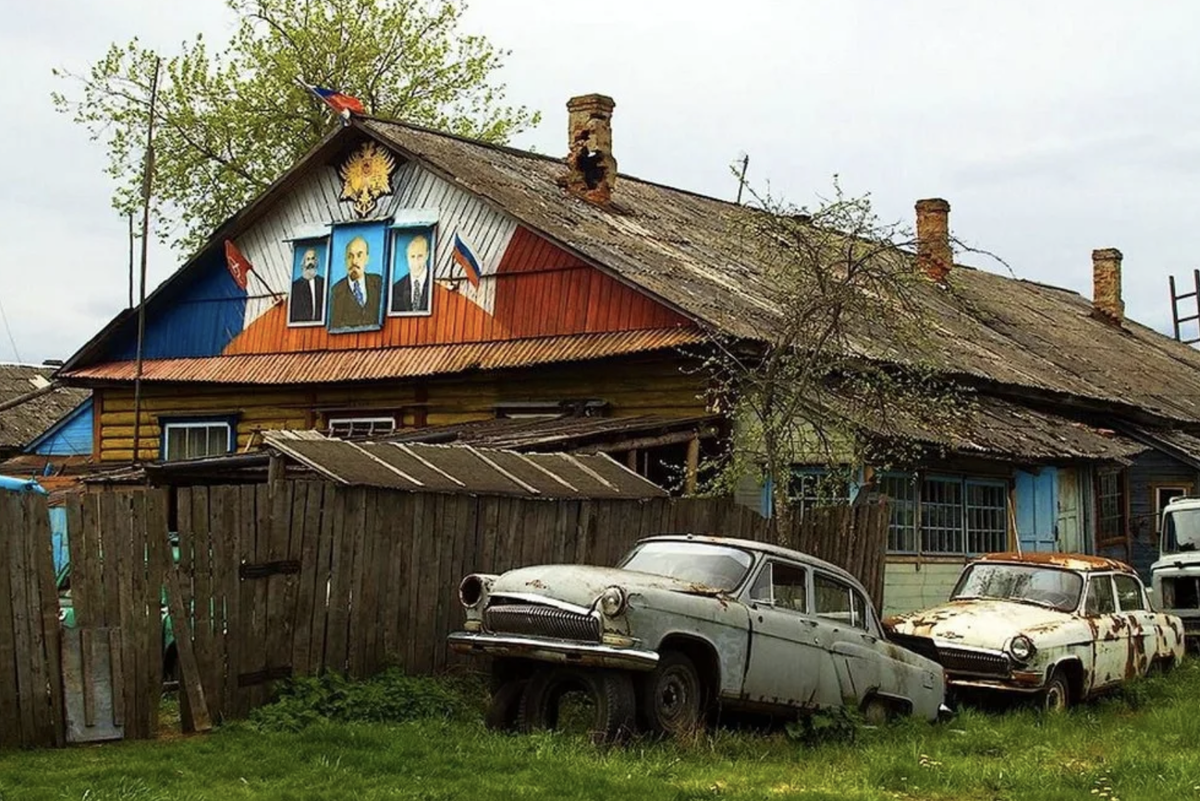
(1085, 563)
(761, 547)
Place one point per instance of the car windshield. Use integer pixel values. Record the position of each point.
(1181, 531)
(717, 566)
(1033, 584)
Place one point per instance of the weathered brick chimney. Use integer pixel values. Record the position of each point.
(592, 168)
(934, 256)
(1106, 286)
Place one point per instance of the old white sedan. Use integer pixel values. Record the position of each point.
(1059, 627)
(686, 624)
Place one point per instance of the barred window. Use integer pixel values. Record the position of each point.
(952, 514)
(813, 486)
(987, 516)
(942, 515)
(1110, 505)
(901, 492)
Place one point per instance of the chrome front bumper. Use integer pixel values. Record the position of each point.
(547, 650)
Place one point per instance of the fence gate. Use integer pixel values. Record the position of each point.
(31, 700)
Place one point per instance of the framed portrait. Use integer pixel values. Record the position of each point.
(357, 258)
(410, 293)
(310, 269)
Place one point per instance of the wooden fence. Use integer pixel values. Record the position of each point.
(296, 578)
(31, 700)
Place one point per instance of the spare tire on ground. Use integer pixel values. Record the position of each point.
(598, 703)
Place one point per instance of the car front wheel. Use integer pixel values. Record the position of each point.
(1057, 695)
(672, 697)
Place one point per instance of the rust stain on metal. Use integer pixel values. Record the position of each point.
(363, 365)
(536, 584)
(1070, 561)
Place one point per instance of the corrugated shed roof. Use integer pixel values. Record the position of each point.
(44, 405)
(365, 365)
(458, 468)
(684, 248)
(557, 433)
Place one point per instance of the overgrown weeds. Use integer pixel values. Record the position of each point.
(390, 697)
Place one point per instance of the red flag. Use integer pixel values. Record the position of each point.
(239, 265)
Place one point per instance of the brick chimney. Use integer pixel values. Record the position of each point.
(592, 168)
(1106, 286)
(934, 256)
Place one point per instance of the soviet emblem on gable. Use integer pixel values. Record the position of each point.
(367, 176)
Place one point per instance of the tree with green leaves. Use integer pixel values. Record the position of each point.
(229, 121)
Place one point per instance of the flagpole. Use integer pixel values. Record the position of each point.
(147, 182)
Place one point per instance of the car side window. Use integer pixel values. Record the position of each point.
(1129, 593)
(1100, 597)
(833, 600)
(784, 586)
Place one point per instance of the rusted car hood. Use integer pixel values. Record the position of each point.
(979, 623)
(582, 584)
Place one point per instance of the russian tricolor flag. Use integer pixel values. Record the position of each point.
(338, 101)
(466, 259)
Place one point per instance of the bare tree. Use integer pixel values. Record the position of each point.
(834, 372)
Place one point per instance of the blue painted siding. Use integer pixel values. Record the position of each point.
(71, 436)
(1150, 469)
(1037, 509)
(197, 315)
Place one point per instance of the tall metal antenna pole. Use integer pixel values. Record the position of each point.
(742, 177)
(147, 184)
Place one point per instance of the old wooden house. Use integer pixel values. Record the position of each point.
(401, 278)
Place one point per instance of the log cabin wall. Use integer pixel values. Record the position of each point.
(660, 384)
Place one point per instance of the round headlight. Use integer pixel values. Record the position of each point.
(1021, 648)
(470, 591)
(612, 601)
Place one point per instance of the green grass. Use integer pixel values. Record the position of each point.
(1142, 743)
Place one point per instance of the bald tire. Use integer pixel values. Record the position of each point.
(505, 708)
(610, 691)
(671, 697)
(1056, 698)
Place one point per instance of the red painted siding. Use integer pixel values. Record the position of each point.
(540, 291)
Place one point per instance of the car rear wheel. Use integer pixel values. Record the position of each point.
(672, 697)
(504, 710)
(1057, 695)
(597, 703)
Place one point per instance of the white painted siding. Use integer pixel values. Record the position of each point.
(908, 586)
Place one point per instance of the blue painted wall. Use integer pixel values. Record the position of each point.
(1149, 469)
(71, 436)
(198, 315)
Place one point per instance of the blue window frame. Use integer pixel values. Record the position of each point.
(196, 437)
(945, 514)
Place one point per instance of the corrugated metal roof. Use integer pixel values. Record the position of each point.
(460, 468)
(364, 365)
(556, 433)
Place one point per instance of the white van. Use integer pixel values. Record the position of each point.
(1175, 577)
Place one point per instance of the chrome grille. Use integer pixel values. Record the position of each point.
(958, 660)
(542, 621)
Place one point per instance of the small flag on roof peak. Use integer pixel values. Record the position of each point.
(342, 103)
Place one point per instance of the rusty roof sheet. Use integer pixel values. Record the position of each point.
(683, 247)
(379, 363)
(31, 402)
(1070, 561)
(460, 468)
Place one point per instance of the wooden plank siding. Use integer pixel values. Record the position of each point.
(539, 290)
(632, 386)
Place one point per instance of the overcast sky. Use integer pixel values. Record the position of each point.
(1052, 128)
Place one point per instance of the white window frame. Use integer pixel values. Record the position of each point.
(374, 425)
(169, 426)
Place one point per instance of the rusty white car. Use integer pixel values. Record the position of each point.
(684, 625)
(1055, 627)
